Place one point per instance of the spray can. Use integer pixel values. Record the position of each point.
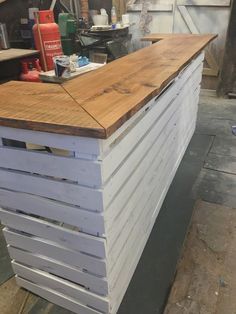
(113, 15)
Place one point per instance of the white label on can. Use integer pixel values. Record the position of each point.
(52, 45)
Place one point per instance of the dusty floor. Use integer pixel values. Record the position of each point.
(205, 281)
(206, 277)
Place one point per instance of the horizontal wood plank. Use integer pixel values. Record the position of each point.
(45, 108)
(133, 258)
(151, 7)
(13, 53)
(74, 240)
(133, 86)
(54, 189)
(88, 221)
(62, 286)
(121, 199)
(159, 170)
(167, 94)
(153, 119)
(53, 250)
(118, 237)
(81, 171)
(52, 266)
(99, 106)
(205, 3)
(87, 146)
(55, 297)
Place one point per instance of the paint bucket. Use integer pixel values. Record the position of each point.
(62, 66)
(125, 19)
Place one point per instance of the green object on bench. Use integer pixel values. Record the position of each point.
(67, 25)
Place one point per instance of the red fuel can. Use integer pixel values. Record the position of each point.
(47, 38)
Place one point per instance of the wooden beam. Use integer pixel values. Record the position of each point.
(205, 3)
(152, 7)
(120, 7)
(188, 19)
(228, 72)
(213, 69)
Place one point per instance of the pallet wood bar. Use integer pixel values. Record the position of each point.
(99, 103)
(77, 216)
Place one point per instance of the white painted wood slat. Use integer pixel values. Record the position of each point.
(83, 219)
(141, 190)
(70, 239)
(55, 297)
(128, 141)
(155, 179)
(58, 190)
(115, 255)
(52, 250)
(131, 264)
(130, 185)
(173, 88)
(59, 285)
(55, 267)
(81, 171)
(88, 146)
(129, 165)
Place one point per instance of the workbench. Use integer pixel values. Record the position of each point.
(10, 61)
(13, 53)
(77, 220)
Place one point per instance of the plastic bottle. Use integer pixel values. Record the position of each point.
(113, 15)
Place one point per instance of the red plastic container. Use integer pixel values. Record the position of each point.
(30, 70)
(50, 43)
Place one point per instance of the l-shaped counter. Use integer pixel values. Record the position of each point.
(78, 215)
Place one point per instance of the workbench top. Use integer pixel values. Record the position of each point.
(14, 53)
(98, 103)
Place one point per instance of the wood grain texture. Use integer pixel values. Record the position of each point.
(13, 53)
(44, 107)
(159, 36)
(98, 103)
(130, 82)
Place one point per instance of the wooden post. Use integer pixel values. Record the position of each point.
(228, 72)
(120, 7)
(36, 14)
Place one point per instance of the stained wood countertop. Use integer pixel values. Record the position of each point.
(98, 103)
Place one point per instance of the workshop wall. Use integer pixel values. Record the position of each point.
(98, 4)
(11, 11)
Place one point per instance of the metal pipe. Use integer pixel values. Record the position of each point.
(53, 5)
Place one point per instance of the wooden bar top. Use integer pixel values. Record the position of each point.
(98, 103)
(159, 36)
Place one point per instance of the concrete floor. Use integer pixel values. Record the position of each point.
(206, 278)
(208, 173)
